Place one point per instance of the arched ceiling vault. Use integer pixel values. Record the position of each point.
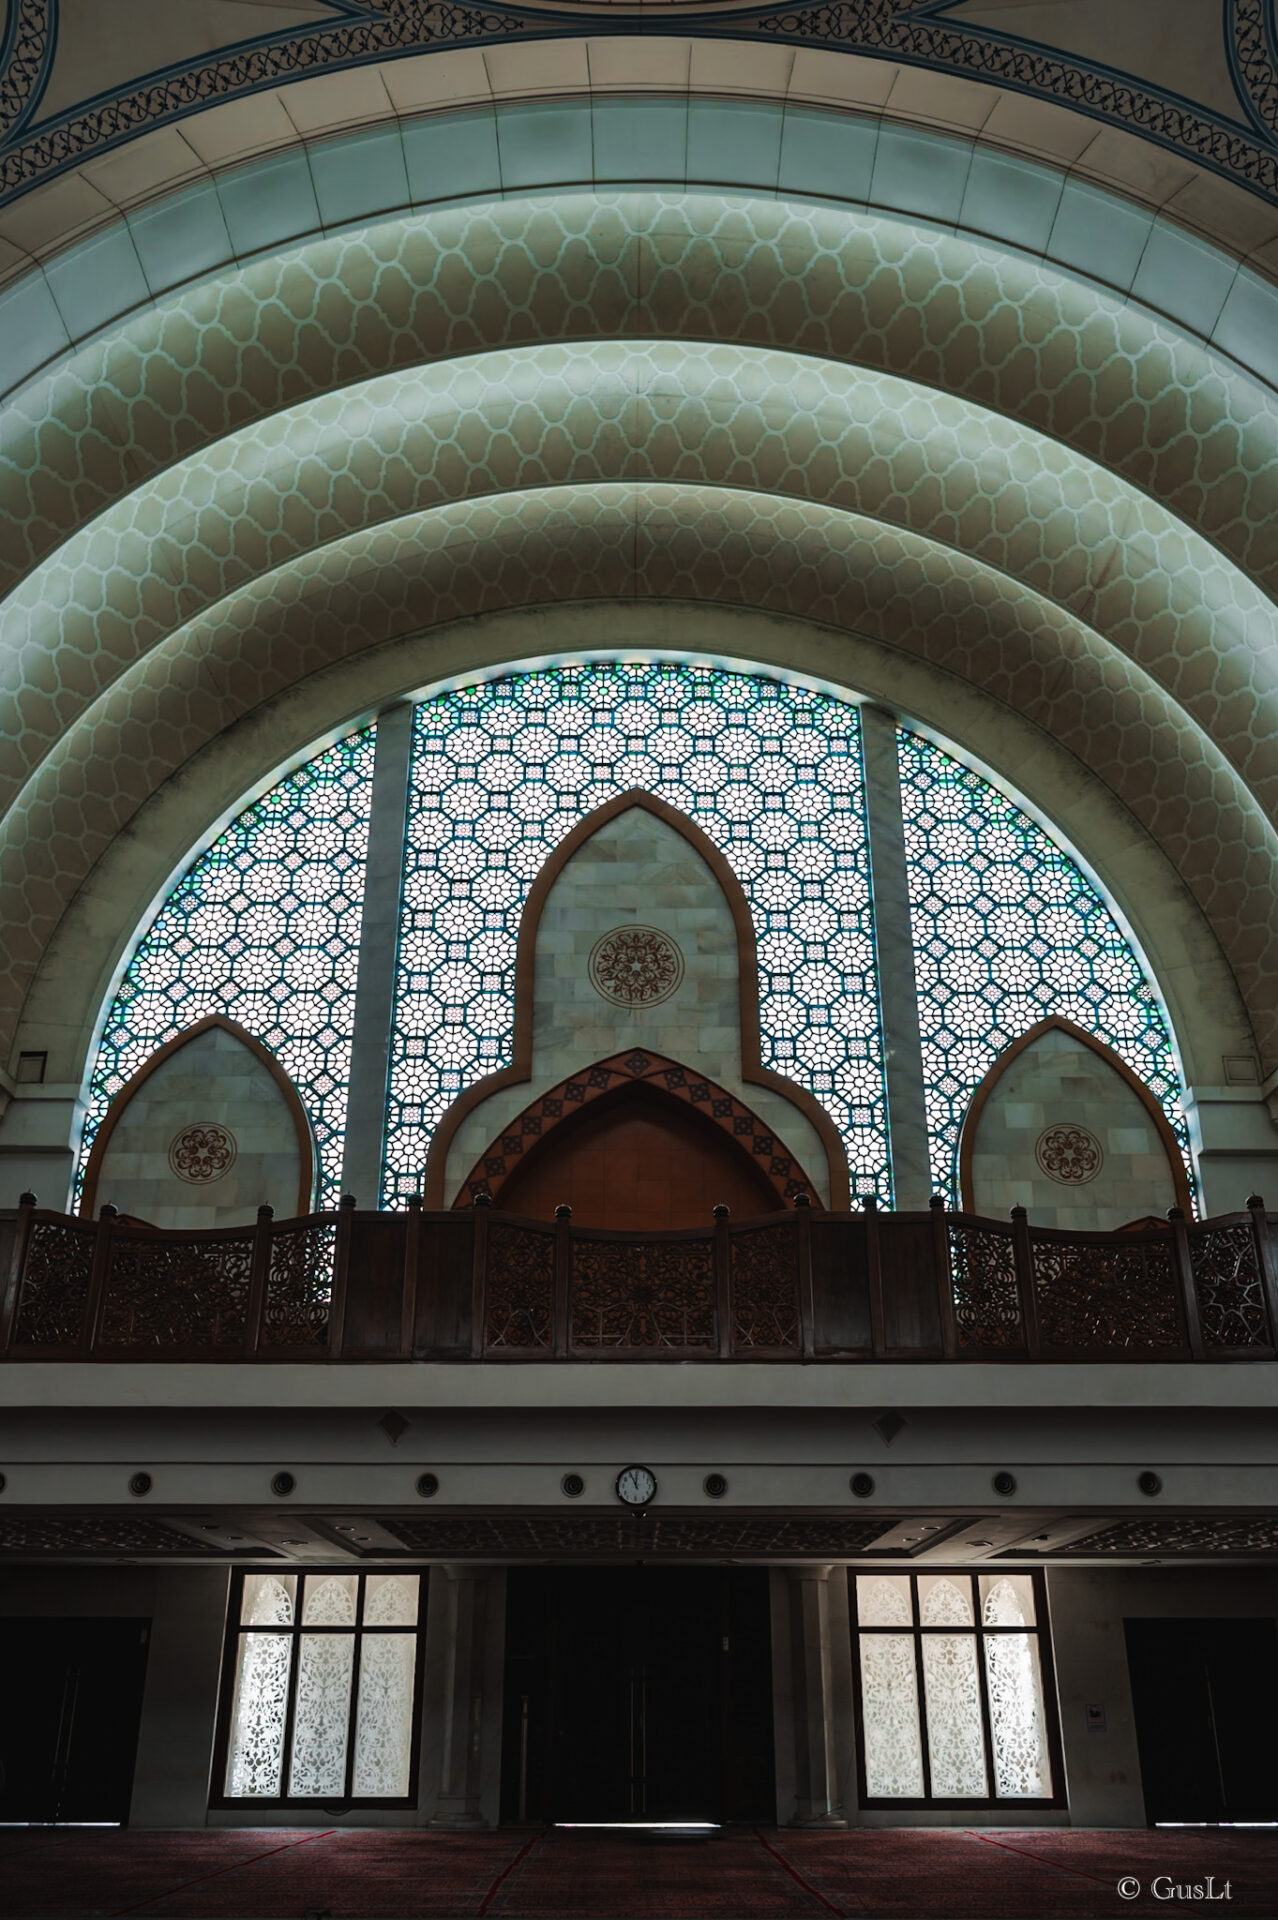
(885, 431)
(368, 593)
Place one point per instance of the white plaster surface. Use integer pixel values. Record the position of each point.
(636, 871)
(1057, 1081)
(213, 1078)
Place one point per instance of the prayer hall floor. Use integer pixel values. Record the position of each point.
(738, 1874)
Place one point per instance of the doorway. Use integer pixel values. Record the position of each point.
(69, 1727)
(638, 1693)
(1205, 1696)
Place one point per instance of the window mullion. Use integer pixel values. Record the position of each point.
(921, 1684)
(987, 1722)
(290, 1717)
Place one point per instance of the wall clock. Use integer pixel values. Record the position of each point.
(636, 1486)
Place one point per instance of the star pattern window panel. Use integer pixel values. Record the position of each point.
(323, 1707)
(1008, 931)
(770, 772)
(950, 1689)
(263, 927)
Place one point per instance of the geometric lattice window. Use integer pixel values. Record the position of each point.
(322, 1701)
(263, 927)
(950, 1688)
(771, 773)
(1008, 931)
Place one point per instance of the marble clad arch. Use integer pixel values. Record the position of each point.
(1133, 537)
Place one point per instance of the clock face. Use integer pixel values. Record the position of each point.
(636, 1486)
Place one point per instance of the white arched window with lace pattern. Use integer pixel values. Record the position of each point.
(325, 1687)
(950, 1687)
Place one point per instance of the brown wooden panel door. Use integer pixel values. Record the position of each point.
(639, 1160)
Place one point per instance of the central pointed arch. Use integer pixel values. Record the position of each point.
(753, 1072)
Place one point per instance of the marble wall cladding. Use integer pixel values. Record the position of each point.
(215, 1085)
(1059, 1087)
(636, 871)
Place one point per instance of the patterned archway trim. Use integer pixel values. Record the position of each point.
(500, 1160)
(971, 1125)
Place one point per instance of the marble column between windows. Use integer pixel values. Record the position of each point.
(894, 951)
(463, 1703)
(816, 1791)
(378, 946)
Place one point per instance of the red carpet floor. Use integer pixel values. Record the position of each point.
(899, 1874)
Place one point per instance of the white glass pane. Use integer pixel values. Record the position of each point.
(955, 1736)
(322, 1715)
(883, 1600)
(269, 1599)
(390, 1599)
(329, 1599)
(257, 1716)
(1021, 1770)
(890, 1709)
(384, 1725)
(1007, 1600)
(945, 1600)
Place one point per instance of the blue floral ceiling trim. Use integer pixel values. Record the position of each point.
(913, 32)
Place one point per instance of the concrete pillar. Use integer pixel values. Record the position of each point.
(378, 945)
(37, 1125)
(812, 1716)
(171, 1784)
(466, 1605)
(1235, 1143)
(894, 945)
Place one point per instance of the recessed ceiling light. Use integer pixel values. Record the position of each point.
(980, 1543)
(910, 1536)
(929, 1529)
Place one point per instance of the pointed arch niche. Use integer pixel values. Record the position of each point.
(209, 1128)
(1061, 1125)
(637, 943)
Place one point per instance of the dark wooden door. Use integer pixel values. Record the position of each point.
(638, 1693)
(69, 1718)
(638, 1159)
(1205, 1695)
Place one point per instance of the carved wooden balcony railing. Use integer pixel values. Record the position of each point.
(487, 1285)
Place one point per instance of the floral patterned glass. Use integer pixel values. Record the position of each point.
(770, 772)
(263, 927)
(1007, 932)
(339, 1746)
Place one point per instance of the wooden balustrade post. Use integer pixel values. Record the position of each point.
(944, 1277)
(723, 1281)
(874, 1275)
(563, 1280)
(1182, 1261)
(259, 1280)
(1267, 1254)
(1023, 1256)
(341, 1276)
(99, 1273)
(479, 1276)
(412, 1268)
(803, 1254)
(17, 1267)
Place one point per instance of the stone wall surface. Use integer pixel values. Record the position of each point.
(1065, 1136)
(216, 1112)
(637, 876)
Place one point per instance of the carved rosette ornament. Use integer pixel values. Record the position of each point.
(1069, 1154)
(635, 966)
(202, 1153)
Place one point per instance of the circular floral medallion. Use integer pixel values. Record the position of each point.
(1069, 1154)
(202, 1153)
(635, 966)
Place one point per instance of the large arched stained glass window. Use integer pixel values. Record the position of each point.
(770, 772)
(263, 927)
(1007, 931)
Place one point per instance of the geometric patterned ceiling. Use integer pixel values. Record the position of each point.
(1192, 77)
